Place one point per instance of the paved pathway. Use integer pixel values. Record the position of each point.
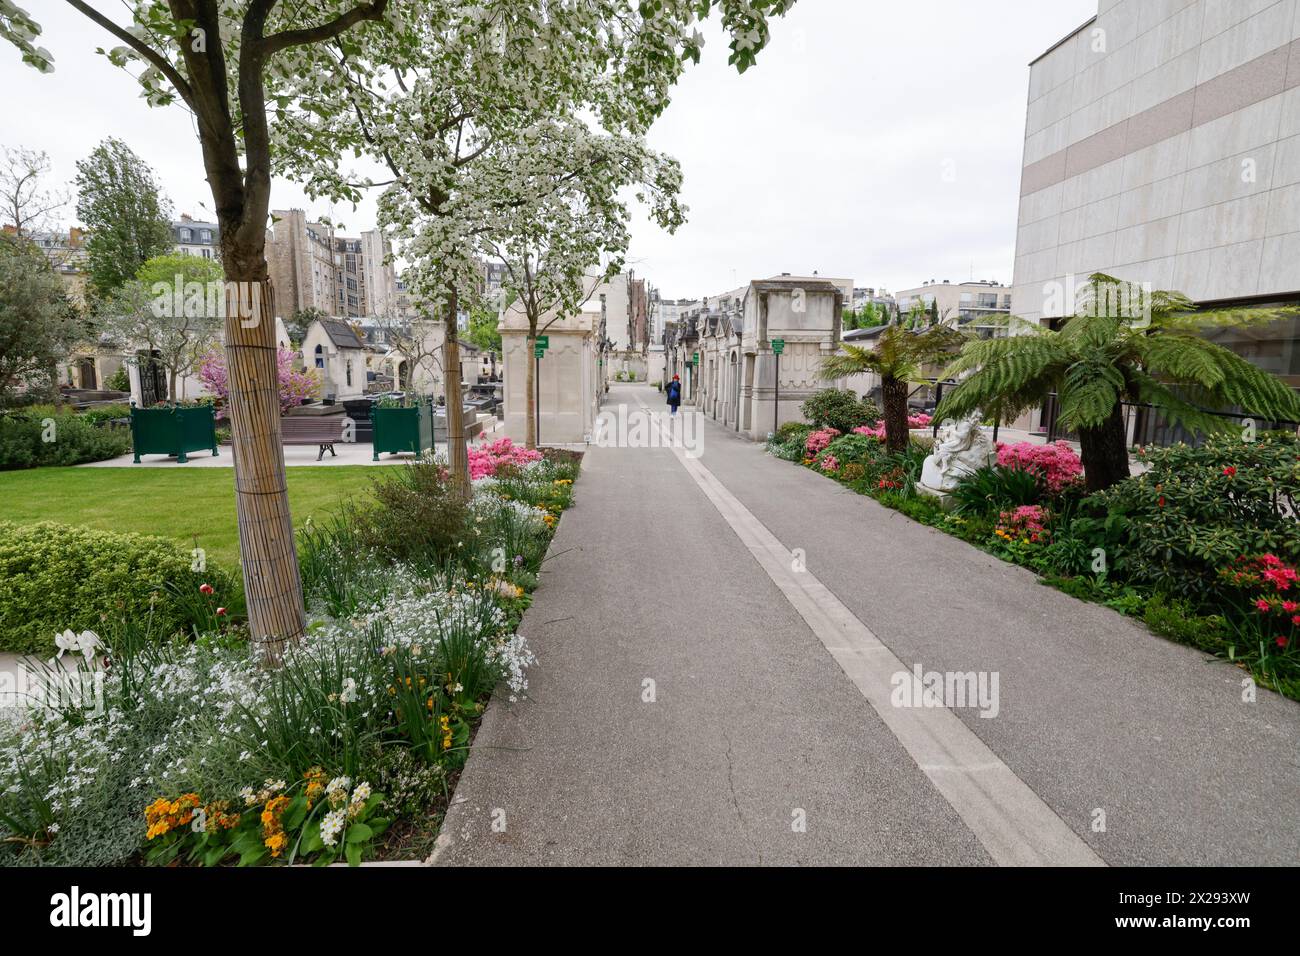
(771, 609)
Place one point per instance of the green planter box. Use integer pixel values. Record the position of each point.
(401, 429)
(173, 431)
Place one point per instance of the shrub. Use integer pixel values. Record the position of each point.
(54, 577)
(995, 488)
(840, 410)
(817, 441)
(793, 430)
(103, 413)
(74, 439)
(419, 519)
(1056, 464)
(854, 448)
(1197, 510)
(1025, 523)
(119, 381)
(486, 459)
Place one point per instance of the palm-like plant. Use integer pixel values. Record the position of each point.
(1105, 355)
(897, 358)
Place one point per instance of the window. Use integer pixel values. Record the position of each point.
(320, 357)
(206, 235)
(186, 235)
(349, 373)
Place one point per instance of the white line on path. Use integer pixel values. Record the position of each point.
(1009, 819)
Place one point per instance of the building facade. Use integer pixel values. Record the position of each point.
(734, 375)
(569, 379)
(195, 238)
(979, 304)
(1162, 146)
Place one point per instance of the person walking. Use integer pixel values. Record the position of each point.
(674, 391)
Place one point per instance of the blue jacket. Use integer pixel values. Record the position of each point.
(674, 391)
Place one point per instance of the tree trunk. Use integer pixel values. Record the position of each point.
(530, 386)
(1104, 450)
(270, 561)
(457, 454)
(893, 395)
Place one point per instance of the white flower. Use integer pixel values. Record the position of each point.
(331, 826)
(83, 643)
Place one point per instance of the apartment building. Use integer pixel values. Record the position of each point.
(1162, 146)
(195, 238)
(977, 302)
(350, 298)
(300, 255)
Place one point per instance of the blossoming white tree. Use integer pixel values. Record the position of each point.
(227, 61)
(553, 237)
(430, 87)
(451, 102)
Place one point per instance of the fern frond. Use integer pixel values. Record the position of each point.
(852, 361)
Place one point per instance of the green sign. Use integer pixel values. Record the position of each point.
(543, 342)
(695, 358)
(778, 346)
(539, 352)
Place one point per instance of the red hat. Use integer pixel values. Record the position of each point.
(676, 378)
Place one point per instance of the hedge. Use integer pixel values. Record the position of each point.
(54, 577)
(75, 439)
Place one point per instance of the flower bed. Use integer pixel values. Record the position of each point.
(1056, 464)
(485, 460)
(1203, 546)
(199, 755)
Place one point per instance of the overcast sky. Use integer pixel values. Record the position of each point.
(830, 155)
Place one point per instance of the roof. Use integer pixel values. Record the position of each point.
(854, 335)
(341, 334)
(784, 285)
(1065, 39)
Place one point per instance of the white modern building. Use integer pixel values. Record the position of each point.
(1162, 145)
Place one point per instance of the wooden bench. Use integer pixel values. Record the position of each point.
(322, 430)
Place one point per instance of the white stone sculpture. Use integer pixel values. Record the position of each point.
(960, 448)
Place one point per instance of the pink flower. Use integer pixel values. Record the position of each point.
(817, 441)
(876, 431)
(829, 463)
(296, 386)
(205, 589)
(1281, 577)
(1281, 642)
(1056, 464)
(486, 459)
(1263, 606)
(221, 612)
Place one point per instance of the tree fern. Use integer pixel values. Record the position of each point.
(1124, 344)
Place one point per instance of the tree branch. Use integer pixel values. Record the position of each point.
(179, 82)
(372, 10)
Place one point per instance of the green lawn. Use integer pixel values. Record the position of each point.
(180, 503)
